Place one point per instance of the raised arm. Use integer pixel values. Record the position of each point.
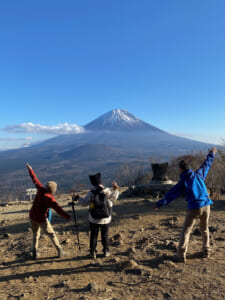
(204, 169)
(33, 176)
(113, 194)
(172, 194)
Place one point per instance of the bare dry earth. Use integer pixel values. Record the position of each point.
(141, 265)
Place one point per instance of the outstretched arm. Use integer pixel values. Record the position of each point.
(33, 176)
(86, 200)
(53, 204)
(113, 194)
(172, 194)
(204, 169)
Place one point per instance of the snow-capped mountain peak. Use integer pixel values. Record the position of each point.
(122, 116)
(118, 119)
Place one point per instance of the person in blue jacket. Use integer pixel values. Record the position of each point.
(193, 184)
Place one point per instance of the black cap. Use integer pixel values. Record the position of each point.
(96, 179)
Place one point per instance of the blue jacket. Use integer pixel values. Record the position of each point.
(192, 183)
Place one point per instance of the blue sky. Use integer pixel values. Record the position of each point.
(71, 61)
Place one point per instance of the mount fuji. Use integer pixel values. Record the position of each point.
(115, 138)
(126, 132)
(119, 119)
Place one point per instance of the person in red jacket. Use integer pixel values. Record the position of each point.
(39, 213)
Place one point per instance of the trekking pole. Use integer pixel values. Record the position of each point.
(75, 221)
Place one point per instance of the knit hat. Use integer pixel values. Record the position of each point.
(51, 187)
(96, 179)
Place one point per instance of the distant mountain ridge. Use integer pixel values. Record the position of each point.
(114, 139)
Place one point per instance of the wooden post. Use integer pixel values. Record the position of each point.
(30, 193)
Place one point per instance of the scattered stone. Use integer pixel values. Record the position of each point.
(113, 260)
(173, 222)
(171, 245)
(143, 242)
(170, 264)
(130, 264)
(153, 252)
(66, 241)
(197, 232)
(135, 271)
(117, 237)
(117, 243)
(139, 270)
(131, 250)
(61, 285)
(117, 240)
(93, 287)
(212, 229)
(136, 217)
(167, 296)
(6, 235)
(132, 232)
(24, 296)
(220, 239)
(154, 227)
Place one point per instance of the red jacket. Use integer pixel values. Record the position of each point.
(43, 201)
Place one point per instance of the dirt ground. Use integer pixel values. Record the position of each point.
(141, 265)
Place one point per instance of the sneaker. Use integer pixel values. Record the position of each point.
(206, 253)
(61, 253)
(93, 255)
(106, 254)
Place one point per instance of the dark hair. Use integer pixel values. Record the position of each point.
(184, 165)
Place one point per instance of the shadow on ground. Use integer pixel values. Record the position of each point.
(122, 211)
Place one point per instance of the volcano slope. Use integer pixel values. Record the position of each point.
(107, 143)
(141, 265)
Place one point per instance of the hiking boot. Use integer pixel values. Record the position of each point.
(180, 259)
(93, 255)
(61, 253)
(35, 254)
(206, 253)
(106, 254)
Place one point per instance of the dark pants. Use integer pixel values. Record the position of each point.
(94, 236)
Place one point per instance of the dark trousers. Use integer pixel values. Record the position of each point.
(94, 236)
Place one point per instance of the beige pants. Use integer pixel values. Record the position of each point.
(191, 217)
(46, 227)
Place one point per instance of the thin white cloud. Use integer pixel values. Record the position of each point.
(64, 128)
(201, 137)
(14, 139)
